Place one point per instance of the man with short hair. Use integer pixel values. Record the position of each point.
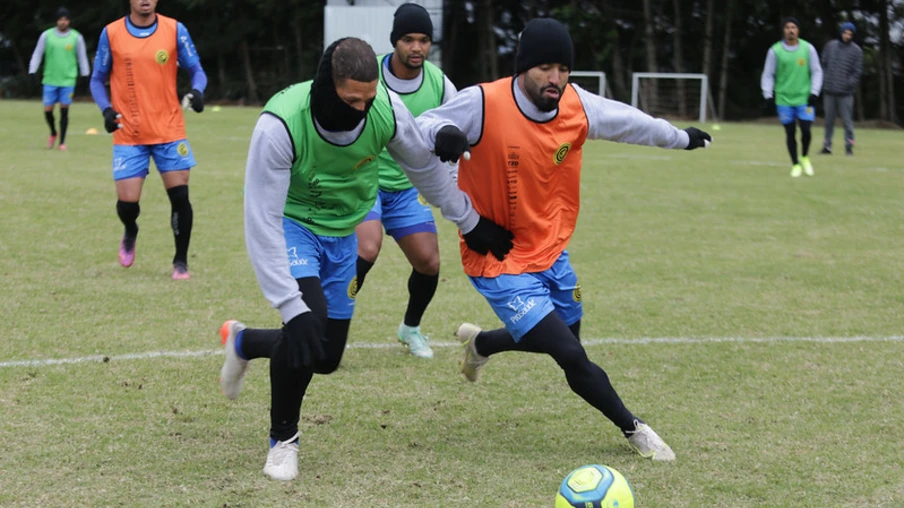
(64, 48)
(311, 177)
(406, 216)
(791, 82)
(842, 61)
(525, 135)
(141, 54)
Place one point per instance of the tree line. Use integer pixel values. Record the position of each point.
(253, 48)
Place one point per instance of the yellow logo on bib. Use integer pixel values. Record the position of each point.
(182, 149)
(364, 161)
(161, 57)
(560, 154)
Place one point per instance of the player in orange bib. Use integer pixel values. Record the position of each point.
(140, 54)
(525, 135)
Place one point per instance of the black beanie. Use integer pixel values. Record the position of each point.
(62, 12)
(790, 19)
(410, 19)
(544, 41)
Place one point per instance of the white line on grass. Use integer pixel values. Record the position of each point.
(390, 345)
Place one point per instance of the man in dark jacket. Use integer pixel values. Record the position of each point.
(842, 63)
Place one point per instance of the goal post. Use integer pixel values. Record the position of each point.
(673, 95)
(586, 77)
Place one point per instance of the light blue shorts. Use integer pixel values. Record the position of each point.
(787, 114)
(130, 161)
(332, 259)
(402, 213)
(55, 94)
(522, 301)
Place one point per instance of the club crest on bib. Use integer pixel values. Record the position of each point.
(161, 56)
(561, 153)
(801, 62)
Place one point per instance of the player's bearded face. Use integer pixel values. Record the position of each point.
(63, 24)
(790, 32)
(412, 50)
(544, 85)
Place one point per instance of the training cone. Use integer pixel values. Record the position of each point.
(91, 131)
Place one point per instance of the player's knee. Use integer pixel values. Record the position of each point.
(427, 265)
(370, 249)
(571, 355)
(327, 366)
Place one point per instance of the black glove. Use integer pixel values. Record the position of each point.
(110, 117)
(812, 100)
(488, 236)
(304, 337)
(196, 97)
(769, 106)
(697, 138)
(451, 142)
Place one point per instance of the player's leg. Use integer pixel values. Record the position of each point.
(65, 98)
(409, 220)
(130, 167)
(370, 241)
(174, 160)
(830, 103)
(787, 115)
(846, 110)
(806, 115)
(49, 94)
(338, 276)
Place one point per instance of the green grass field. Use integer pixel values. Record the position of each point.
(780, 385)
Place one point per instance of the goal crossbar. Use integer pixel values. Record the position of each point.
(601, 77)
(635, 86)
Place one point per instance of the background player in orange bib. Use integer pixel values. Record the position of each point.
(525, 135)
(140, 54)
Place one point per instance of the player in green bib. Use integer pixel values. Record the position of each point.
(399, 208)
(63, 50)
(312, 176)
(791, 81)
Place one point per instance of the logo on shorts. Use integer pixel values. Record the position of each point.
(294, 260)
(119, 164)
(520, 307)
(422, 200)
(182, 149)
(559, 157)
(576, 294)
(364, 161)
(162, 56)
(353, 288)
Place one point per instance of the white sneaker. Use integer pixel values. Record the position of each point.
(282, 461)
(648, 443)
(234, 368)
(416, 341)
(472, 361)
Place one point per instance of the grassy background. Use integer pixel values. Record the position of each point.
(708, 245)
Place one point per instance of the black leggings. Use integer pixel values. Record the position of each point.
(805, 137)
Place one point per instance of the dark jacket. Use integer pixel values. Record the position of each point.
(842, 64)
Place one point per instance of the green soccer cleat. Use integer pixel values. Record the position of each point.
(417, 342)
(807, 165)
(796, 170)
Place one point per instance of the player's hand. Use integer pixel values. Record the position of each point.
(451, 143)
(769, 106)
(812, 100)
(111, 118)
(195, 99)
(697, 138)
(487, 236)
(304, 337)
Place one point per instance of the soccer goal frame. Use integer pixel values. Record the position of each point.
(704, 86)
(601, 76)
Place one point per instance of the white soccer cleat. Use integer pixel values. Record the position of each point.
(472, 361)
(282, 461)
(417, 342)
(234, 368)
(648, 443)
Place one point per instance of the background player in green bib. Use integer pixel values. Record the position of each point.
(63, 50)
(406, 217)
(792, 80)
(311, 177)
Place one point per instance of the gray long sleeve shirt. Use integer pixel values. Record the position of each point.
(843, 65)
(767, 79)
(81, 53)
(267, 178)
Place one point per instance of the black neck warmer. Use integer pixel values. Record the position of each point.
(331, 112)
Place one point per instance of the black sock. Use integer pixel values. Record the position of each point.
(421, 289)
(181, 220)
(258, 343)
(363, 266)
(128, 214)
(64, 124)
(48, 115)
(791, 142)
(805, 136)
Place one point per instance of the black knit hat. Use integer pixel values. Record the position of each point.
(410, 19)
(544, 41)
(62, 12)
(790, 19)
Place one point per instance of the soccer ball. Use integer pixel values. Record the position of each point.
(595, 486)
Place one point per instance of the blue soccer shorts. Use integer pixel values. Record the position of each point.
(402, 213)
(787, 114)
(131, 161)
(54, 94)
(332, 259)
(521, 301)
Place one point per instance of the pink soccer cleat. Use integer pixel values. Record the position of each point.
(127, 251)
(180, 272)
(62, 147)
(51, 141)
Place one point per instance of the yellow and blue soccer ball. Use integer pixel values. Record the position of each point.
(595, 486)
